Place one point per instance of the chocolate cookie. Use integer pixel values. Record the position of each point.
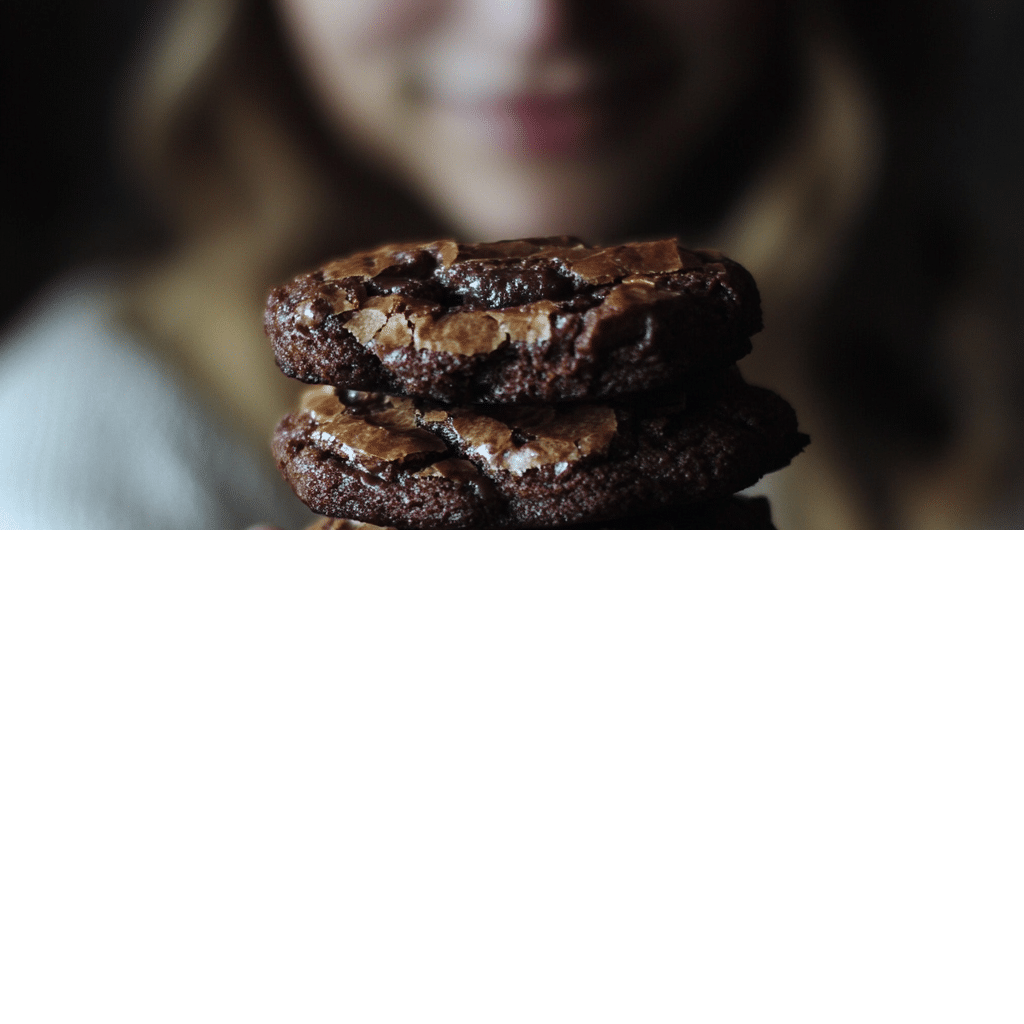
(395, 462)
(735, 513)
(368, 460)
(534, 320)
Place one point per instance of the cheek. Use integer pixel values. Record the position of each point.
(356, 58)
(348, 26)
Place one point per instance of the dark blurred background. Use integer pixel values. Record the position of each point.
(63, 66)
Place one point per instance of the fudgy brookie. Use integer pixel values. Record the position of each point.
(395, 461)
(538, 383)
(534, 320)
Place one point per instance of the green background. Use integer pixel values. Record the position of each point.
(508, 777)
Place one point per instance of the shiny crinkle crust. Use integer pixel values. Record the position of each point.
(534, 320)
(394, 461)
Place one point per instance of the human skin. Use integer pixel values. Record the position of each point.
(529, 117)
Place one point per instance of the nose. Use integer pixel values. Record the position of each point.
(521, 26)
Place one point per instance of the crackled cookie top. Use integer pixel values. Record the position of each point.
(547, 319)
(395, 461)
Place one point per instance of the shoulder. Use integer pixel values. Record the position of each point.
(97, 432)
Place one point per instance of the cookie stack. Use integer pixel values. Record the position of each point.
(537, 383)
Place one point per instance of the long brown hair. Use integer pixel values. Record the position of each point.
(250, 189)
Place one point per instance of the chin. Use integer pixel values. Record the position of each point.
(489, 217)
(501, 197)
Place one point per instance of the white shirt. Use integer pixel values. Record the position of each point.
(97, 433)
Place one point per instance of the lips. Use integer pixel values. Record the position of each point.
(544, 125)
(533, 125)
(557, 123)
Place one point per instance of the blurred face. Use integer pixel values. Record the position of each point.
(512, 118)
